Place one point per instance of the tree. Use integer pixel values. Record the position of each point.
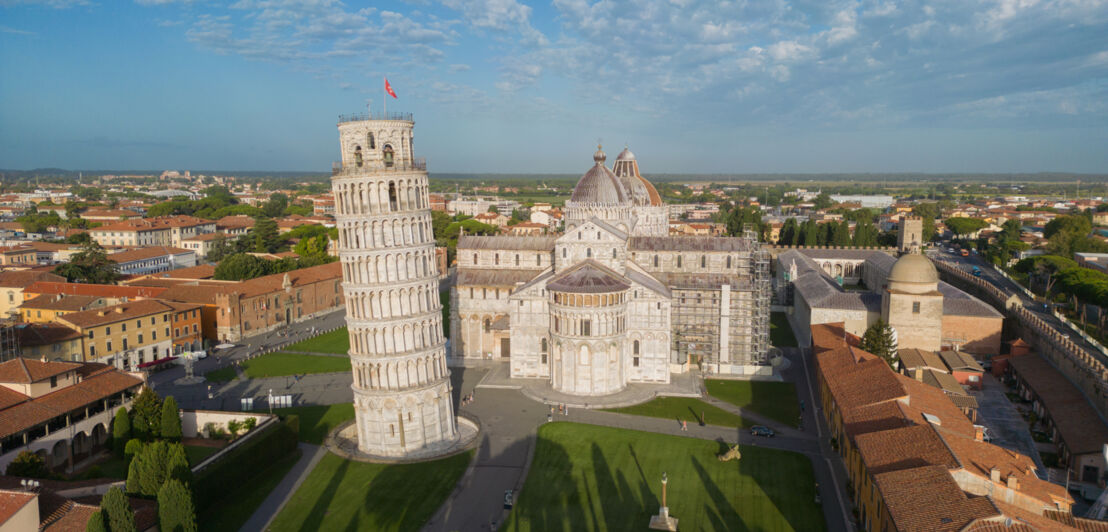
(840, 234)
(96, 522)
(240, 266)
(865, 234)
(135, 470)
(27, 464)
(276, 205)
(880, 340)
(146, 415)
(154, 468)
(121, 431)
(90, 265)
(965, 226)
(823, 201)
(171, 420)
(789, 233)
(176, 511)
(79, 238)
(312, 247)
(115, 506)
(267, 238)
(928, 211)
(177, 464)
(132, 449)
(1074, 224)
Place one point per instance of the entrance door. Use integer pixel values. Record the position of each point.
(288, 316)
(505, 350)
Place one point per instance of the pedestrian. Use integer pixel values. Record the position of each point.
(702, 419)
(684, 426)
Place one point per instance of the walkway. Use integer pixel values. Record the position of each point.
(271, 506)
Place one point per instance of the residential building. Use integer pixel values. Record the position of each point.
(59, 410)
(126, 335)
(18, 256)
(153, 259)
(51, 287)
(13, 284)
(492, 218)
(201, 245)
(164, 231)
(110, 215)
(236, 225)
(49, 341)
(48, 308)
(527, 228)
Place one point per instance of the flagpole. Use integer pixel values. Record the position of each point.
(385, 98)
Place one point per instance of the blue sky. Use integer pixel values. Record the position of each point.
(505, 86)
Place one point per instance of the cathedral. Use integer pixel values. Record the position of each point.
(613, 299)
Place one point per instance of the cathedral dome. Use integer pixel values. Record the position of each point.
(599, 185)
(913, 272)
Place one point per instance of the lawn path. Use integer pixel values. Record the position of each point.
(314, 353)
(268, 510)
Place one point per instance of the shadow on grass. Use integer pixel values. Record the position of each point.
(325, 499)
(726, 518)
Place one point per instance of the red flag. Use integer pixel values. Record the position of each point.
(388, 88)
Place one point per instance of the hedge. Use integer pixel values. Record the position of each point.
(220, 479)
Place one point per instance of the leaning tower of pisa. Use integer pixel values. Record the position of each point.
(401, 384)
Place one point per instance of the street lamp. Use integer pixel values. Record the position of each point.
(663, 521)
(270, 400)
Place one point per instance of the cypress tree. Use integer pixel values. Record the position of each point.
(134, 472)
(96, 522)
(118, 509)
(171, 420)
(879, 340)
(146, 415)
(176, 511)
(177, 464)
(152, 474)
(121, 431)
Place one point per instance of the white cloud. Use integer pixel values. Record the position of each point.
(506, 16)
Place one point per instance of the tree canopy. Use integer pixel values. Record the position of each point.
(965, 226)
(90, 265)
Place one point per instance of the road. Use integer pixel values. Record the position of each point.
(1008, 286)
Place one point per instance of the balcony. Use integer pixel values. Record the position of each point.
(339, 169)
(361, 117)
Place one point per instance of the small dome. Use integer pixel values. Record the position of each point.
(625, 155)
(599, 156)
(915, 269)
(599, 185)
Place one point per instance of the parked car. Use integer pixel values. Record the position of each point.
(760, 430)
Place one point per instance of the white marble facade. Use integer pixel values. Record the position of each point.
(401, 383)
(613, 300)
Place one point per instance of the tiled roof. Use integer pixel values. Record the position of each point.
(145, 253)
(21, 370)
(942, 380)
(59, 302)
(1077, 422)
(494, 277)
(206, 237)
(903, 448)
(95, 387)
(71, 517)
(112, 213)
(959, 303)
(236, 221)
(23, 279)
(960, 361)
(508, 242)
(36, 334)
(205, 292)
(845, 253)
(927, 499)
(683, 243)
(102, 290)
(203, 271)
(9, 397)
(12, 502)
(912, 358)
(115, 313)
(152, 224)
(588, 277)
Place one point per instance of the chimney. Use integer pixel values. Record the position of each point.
(979, 433)
(1013, 482)
(994, 475)
(119, 310)
(918, 373)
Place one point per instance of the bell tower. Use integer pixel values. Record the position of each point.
(401, 387)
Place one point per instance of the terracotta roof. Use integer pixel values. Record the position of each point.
(145, 253)
(9, 397)
(111, 213)
(71, 517)
(188, 290)
(588, 277)
(903, 448)
(12, 502)
(97, 386)
(152, 224)
(235, 221)
(21, 370)
(960, 361)
(23, 279)
(203, 271)
(60, 302)
(828, 336)
(911, 358)
(115, 313)
(206, 237)
(1077, 422)
(103, 290)
(36, 334)
(924, 399)
(927, 499)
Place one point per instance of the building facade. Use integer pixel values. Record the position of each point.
(402, 400)
(614, 299)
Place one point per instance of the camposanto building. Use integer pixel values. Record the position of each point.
(614, 299)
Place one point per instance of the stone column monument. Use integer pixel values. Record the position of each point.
(401, 384)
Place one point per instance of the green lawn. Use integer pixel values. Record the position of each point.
(775, 400)
(780, 333)
(593, 478)
(685, 408)
(282, 364)
(221, 375)
(197, 453)
(345, 495)
(336, 341)
(231, 514)
(317, 421)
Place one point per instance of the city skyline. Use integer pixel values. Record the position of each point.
(499, 86)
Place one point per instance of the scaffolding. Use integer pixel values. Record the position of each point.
(9, 340)
(697, 316)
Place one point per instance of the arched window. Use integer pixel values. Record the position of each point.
(387, 152)
(488, 325)
(392, 194)
(370, 140)
(538, 260)
(563, 253)
(729, 261)
(496, 258)
(703, 261)
(635, 348)
(517, 259)
(358, 156)
(613, 253)
(474, 258)
(543, 346)
(679, 261)
(579, 235)
(598, 235)
(588, 252)
(655, 261)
